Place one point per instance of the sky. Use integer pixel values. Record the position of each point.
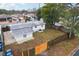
(19, 6)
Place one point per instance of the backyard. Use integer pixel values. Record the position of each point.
(48, 34)
(61, 48)
(67, 16)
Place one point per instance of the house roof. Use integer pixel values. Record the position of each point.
(27, 24)
(20, 25)
(19, 34)
(17, 31)
(4, 16)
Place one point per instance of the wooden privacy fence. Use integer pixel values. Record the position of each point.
(31, 52)
(57, 40)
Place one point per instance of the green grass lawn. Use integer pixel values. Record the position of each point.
(48, 34)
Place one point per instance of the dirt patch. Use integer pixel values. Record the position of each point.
(63, 48)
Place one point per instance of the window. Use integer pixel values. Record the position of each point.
(40, 30)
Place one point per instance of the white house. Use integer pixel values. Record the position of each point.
(58, 24)
(38, 26)
(21, 32)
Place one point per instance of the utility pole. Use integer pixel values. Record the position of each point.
(40, 8)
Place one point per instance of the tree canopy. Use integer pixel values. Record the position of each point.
(50, 13)
(68, 13)
(4, 11)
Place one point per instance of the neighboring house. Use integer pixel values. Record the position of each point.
(58, 24)
(5, 19)
(38, 26)
(22, 32)
(19, 33)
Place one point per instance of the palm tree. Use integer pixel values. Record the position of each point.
(70, 20)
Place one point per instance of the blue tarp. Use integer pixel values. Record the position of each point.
(8, 52)
(1, 46)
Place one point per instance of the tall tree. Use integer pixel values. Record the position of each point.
(68, 13)
(50, 12)
(71, 19)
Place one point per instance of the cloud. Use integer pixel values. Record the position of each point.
(8, 6)
(19, 6)
(2, 5)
